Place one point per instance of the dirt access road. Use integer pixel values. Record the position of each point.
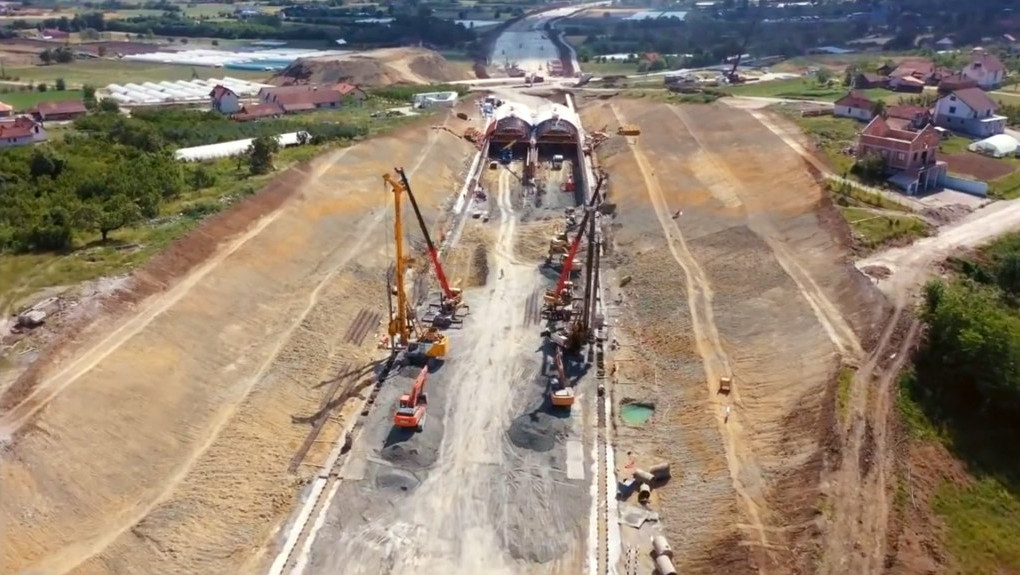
(164, 447)
(487, 487)
(735, 270)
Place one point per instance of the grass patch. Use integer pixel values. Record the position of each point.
(832, 135)
(954, 145)
(982, 526)
(793, 89)
(22, 101)
(844, 387)
(875, 229)
(101, 72)
(849, 195)
(610, 68)
(1006, 187)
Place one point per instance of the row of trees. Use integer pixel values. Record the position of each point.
(112, 171)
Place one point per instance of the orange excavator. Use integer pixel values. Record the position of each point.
(412, 408)
(451, 299)
(561, 394)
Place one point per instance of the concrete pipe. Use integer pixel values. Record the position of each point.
(644, 493)
(661, 547)
(664, 566)
(643, 476)
(660, 470)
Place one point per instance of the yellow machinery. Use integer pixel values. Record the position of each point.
(427, 343)
(629, 130)
(561, 394)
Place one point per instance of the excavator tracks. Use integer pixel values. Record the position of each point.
(363, 323)
(533, 308)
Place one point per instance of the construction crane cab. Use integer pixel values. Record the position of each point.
(412, 408)
(561, 394)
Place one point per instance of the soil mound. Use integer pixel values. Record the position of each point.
(373, 68)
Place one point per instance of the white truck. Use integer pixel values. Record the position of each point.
(557, 161)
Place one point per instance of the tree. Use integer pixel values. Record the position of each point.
(871, 167)
(823, 75)
(46, 56)
(60, 85)
(106, 215)
(260, 154)
(879, 108)
(108, 105)
(101, 51)
(41, 86)
(88, 95)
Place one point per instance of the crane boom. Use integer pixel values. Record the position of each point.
(399, 322)
(575, 245)
(433, 252)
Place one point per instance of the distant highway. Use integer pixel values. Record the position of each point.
(526, 42)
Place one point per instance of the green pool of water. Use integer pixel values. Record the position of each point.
(636, 413)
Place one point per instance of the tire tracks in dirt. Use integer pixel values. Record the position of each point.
(827, 313)
(740, 459)
(75, 555)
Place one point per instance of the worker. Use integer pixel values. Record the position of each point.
(500, 273)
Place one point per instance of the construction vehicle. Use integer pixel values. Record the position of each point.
(731, 75)
(557, 161)
(629, 130)
(451, 299)
(412, 408)
(404, 330)
(725, 385)
(561, 394)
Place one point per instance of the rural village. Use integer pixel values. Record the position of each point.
(614, 288)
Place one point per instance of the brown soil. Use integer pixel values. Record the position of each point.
(160, 440)
(467, 263)
(978, 166)
(374, 68)
(739, 267)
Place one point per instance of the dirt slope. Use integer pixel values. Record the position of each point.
(167, 447)
(374, 68)
(736, 269)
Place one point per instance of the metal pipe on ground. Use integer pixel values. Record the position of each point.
(643, 476)
(660, 470)
(664, 566)
(644, 493)
(660, 546)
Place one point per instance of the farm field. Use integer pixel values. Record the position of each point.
(100, 73)
(22, 101)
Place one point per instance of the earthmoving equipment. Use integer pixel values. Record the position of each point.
(412, 408)
(628, 130)
(557, 161)
(732, 76)
(560, 296)
(424, 344)
(725, 385)
(451, 299)
(561, 394)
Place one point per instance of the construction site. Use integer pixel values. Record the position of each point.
(550, 333)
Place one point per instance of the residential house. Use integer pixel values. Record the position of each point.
(350, 91)
(58, 110)
(955, 82)
(910, 158)
(985, 69)
(225, 100)
(302, 98)
(867, 80)
(257, 111)
(5, 110)
(909, 118)
(20, 131)
(854, 105)
(970, 111)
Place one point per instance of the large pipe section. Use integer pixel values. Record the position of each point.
(660, 546)
(664, 565)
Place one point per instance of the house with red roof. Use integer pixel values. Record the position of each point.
(58, 110)
(854, 105)
(910, 158)
(969, 111)
(907, 117)
(225, 100)
(985, 69)
(6, 110)
(20, 131)
(257, 111)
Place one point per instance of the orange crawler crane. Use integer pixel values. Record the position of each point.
(412, 408)
(561, 394)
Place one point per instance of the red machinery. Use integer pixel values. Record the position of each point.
(412, 407)
(560, 295)
(451, 299)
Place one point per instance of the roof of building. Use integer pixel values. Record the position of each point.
(6, 107)
(975, 98)
(19, 127)
(220, 90)
(60, 107)
(856, 100)
(874, 78)
(256, 111)
(343, 88)
(986, 61)
(900, 139)
(957, 80)
(306, 99)
(912, 66)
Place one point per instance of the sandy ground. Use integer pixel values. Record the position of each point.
(735, 270)
(165, 447)
(486, 487)
(375, 68)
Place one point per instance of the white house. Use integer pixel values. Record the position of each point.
(855, 105)
(225, 100)
(20, 131)
(970, 111)
(985, 69)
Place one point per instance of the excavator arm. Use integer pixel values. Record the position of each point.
(433, 252)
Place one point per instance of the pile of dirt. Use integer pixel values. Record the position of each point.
(538, 430)
(943, 215)
(373, 68)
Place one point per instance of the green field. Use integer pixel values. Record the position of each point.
(807, 89)
(24, 100)
(101, 72)
(832, 135)
(875, 228)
